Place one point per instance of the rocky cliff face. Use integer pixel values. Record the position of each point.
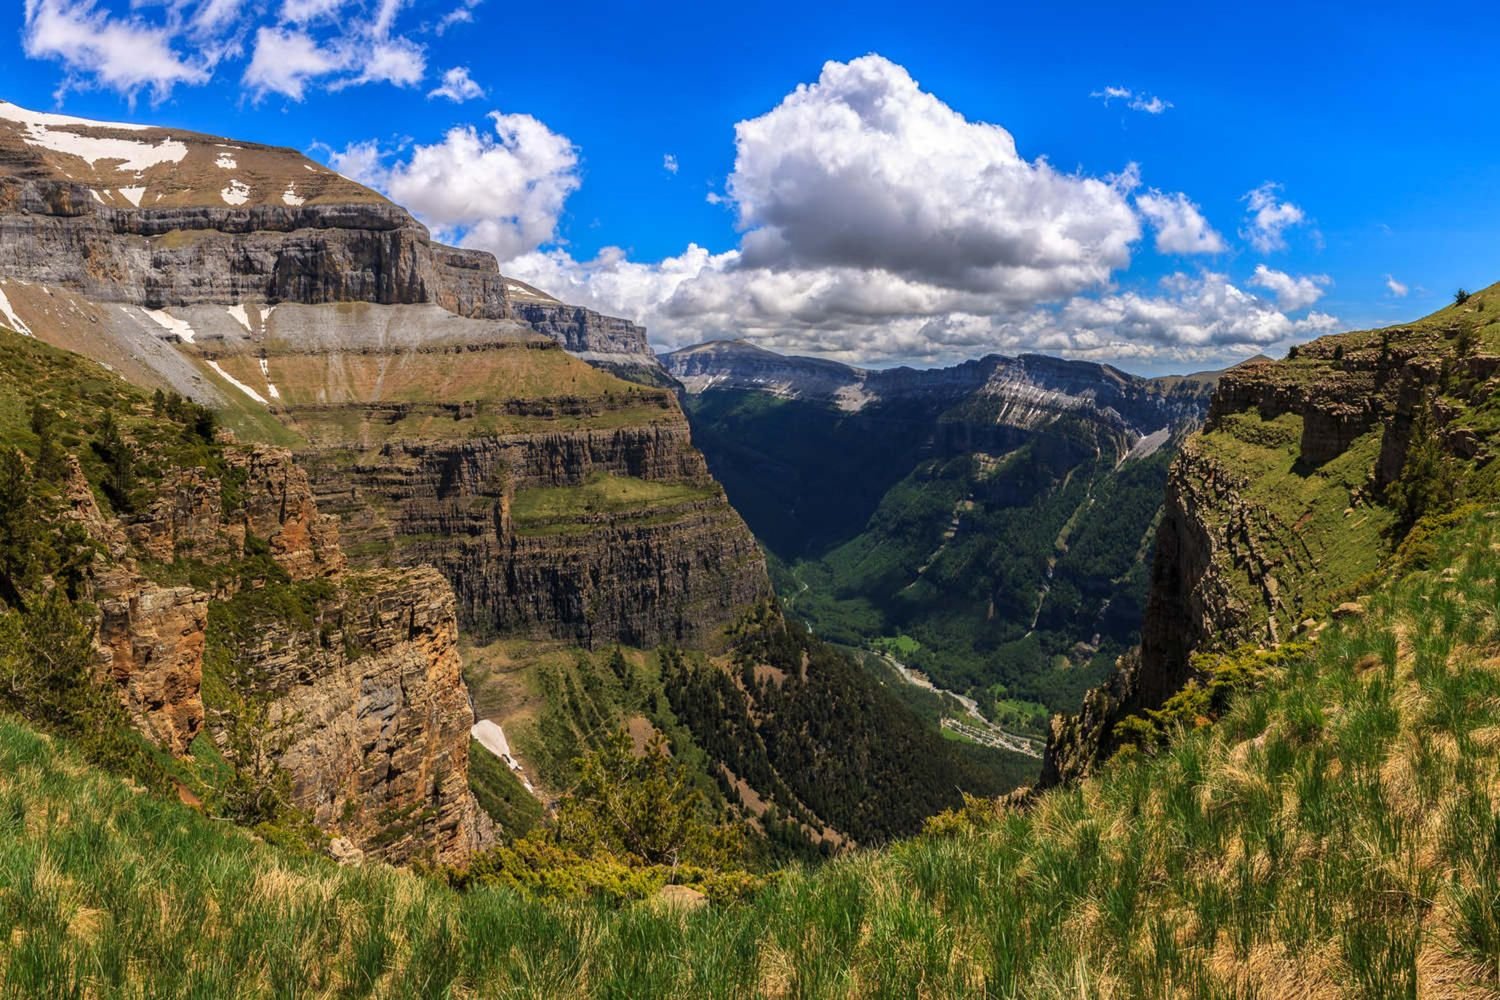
(258, 281)
(370, 713)
(674, 565)
(371, 718)
(1282, 503)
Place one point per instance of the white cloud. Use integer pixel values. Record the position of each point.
(286, 60)
(1397, 288)
(1149, 103)
(124, 54)
(457, 86)
(1179, 224)
(881, 227)
(307, 11)
(1291, 293)
(501, 192)
(385, 17)
(1269, 218)
(865, 171)
(463, 13)
(669, 163)
(215, 15)
(158, 44)
(397, 61)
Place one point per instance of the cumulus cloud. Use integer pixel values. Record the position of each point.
(501, 189)
(1269, 218)
(1291, 293)
(1397, 288)
(1149, 103)
(457, 86)
(95, 47)
(1195, 320)
(396, 61)
(863, 170)
(286, 60)
(1179, 224)
(669, 163)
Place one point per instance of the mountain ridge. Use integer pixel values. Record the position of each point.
(167, 218)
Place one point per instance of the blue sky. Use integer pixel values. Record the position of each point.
(906, 234)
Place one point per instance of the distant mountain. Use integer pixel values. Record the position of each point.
(158, 218)
(991, 519)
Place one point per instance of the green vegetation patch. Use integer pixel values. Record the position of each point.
(501, 794)
(549, 509)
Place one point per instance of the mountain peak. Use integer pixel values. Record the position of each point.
(135, 166)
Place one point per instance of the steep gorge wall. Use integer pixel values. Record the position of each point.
(57, 233)
(1231, 567)
(662, 572)
(370, 714)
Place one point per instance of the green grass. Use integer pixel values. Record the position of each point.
(1307, 528)
(1336, 831)
(501, 794)
(548, 509)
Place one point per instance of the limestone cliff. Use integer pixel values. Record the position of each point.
(369, 715)
(423, 388)
(596, 535)
(368, 711)
(158, 217)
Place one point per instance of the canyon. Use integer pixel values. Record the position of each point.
(986, 522)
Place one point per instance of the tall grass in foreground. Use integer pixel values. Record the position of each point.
(1335, 834)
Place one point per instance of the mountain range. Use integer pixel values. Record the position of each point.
(985, 523)
(402, 405)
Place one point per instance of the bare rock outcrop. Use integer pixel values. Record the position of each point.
(375, 718)
(369, 710)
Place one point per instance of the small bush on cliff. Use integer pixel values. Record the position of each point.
(643, 808)
(632, 823)
(1219, 677)
(1428, 482)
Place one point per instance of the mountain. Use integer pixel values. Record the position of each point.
(160, 219)
(985, 523)
(507, 525)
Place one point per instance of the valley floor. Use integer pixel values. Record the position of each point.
(1334, 834)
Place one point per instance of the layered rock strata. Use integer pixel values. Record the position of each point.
(369, 714)
(670, 569)
(161, 218)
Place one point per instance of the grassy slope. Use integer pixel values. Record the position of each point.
(1319, 535)
(1335, 833)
